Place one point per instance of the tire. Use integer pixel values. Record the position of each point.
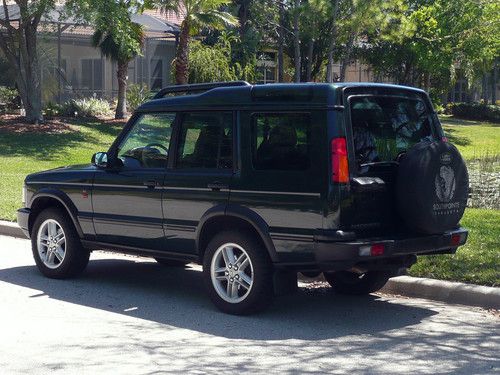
(432, 187)
(171, 262)
(253, 285)
(71, 258)
(345, 282)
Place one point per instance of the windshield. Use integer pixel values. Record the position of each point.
(385, 126)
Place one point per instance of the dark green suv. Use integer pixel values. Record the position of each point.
(257, 183)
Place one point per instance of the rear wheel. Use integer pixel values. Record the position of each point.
(345, 282)
(56, 245)
(238, 273)
(171, 262)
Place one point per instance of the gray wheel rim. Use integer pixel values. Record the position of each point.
(232, 273)
(51, 243)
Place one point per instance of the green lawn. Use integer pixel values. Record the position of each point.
(477, 262)
(474, 139)
(21, 154)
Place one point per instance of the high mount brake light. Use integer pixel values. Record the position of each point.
(340, 166)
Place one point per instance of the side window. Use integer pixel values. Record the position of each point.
(206, 140)
(281, 141)
(146, 144)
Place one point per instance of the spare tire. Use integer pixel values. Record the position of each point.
(432, 187)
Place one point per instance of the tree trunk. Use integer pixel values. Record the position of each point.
(281, 37)
(182, 56)
(296, 41)
(494, 78)
(121, 74)
(19, 46)
(310, 51)
(331, 46)
(347, 57)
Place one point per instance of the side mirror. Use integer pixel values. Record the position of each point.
(100, 159)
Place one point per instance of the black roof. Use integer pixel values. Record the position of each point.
(280, 95)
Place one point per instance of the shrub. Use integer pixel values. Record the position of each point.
(474, 111)
(136, 95)
(53, 110)
(86, 107)
(8, 98)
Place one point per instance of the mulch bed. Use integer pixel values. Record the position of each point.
(16, 124)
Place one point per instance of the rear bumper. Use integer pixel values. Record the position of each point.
(332, 252)
(23, 215)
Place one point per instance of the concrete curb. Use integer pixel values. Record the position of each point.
(437, 290)
(9, 228)
(445, 291)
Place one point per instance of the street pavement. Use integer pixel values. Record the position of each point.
(128, 315)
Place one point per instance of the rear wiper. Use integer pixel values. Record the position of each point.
(381, 163)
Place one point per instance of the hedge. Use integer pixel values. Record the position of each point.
(474, 111)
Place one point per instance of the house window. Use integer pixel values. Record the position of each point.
(266, 67)
(156, 74)
(92, 77)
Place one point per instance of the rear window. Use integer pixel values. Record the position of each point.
(385, 126)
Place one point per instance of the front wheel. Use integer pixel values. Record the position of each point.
(346, 282)
(238, 273)
(56, 246)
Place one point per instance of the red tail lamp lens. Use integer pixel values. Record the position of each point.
(456, 239)
(377, 249)
(340, 166)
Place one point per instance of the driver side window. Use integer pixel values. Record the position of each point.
(146, 145)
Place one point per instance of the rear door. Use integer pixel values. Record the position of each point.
(283, 173)
(383, 127)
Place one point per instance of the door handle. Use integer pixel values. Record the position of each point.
(150, 184)
(216, 186)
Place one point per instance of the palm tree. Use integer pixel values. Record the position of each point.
(198, 14)
(121, 45)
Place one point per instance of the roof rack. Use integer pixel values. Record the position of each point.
(197, 87)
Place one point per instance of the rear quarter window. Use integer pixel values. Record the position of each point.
(281, 141)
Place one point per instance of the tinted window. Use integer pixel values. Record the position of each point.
(385, 126)
(206, 140)
(281, 141)
(146, 144)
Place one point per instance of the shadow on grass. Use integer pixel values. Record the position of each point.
(51, 146)
(455, 138)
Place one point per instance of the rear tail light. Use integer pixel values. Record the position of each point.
(458, 239)
(374, 250)
(340, 166)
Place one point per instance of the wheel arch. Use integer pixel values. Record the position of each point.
(53, 198)
(233, 217)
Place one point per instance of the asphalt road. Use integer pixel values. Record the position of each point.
(130, 315)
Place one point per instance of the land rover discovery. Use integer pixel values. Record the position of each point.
(352, 180)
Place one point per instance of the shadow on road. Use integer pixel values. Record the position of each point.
(177, 297)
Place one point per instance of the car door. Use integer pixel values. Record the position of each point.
(199, 176)
(127, 200)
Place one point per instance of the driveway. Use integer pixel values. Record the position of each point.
(131, 315)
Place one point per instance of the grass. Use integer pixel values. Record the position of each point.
(473, 139)
(24, 153)
(477, 262)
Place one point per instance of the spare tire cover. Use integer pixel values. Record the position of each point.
(432, 187)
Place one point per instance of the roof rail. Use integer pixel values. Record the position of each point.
(197, 87)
